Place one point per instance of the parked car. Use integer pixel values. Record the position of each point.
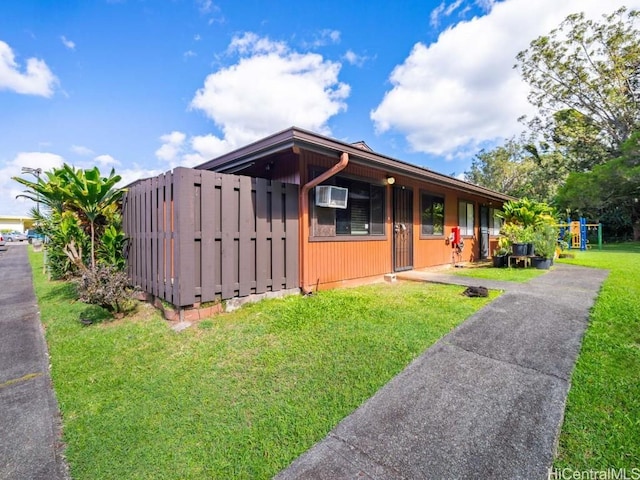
(34, 235)
(15, 236)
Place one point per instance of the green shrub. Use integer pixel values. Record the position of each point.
(111, 247)
(107, 287)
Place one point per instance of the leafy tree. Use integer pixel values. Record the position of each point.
(77, 201)
(91, 196)
(504, 169)
(591, 70)
(585, 80)
(47, 190)
(516, 168)
(610, 191)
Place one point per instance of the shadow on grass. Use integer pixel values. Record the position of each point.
(62, 291)
(94, 314)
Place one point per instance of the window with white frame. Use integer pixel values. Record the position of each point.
(466, 217)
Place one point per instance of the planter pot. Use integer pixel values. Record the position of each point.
(519, 249)
(500, 261)
(541, 263)
(530, 249)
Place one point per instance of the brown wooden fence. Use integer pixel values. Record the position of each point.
(199, 236)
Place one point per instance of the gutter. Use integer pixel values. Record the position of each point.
(304, 215)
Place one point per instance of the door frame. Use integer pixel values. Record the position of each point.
(485, 240)
(402, 228)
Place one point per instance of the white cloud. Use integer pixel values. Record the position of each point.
(189, 53)
(205, 6)
(130, 175)
(172, 146)
(37, 80)
(68, 43)
(106, 161)
(451, 96)
(300, 89)
(81, 150)
(326, 37)
(177, 151)
(9, 188)
(354, 59)
(443, 10)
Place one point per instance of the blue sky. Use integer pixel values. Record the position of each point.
(144, 86)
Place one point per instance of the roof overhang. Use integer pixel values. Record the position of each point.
(295, 137)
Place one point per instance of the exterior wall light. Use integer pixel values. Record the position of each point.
(391, 180)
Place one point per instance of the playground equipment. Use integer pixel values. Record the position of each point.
(578, 231)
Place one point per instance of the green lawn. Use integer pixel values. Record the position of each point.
(602, 419)
(239, 396)
(505, 274)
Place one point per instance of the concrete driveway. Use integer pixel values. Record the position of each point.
(30, 447)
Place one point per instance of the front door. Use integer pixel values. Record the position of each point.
(484, 232)
(402, 229)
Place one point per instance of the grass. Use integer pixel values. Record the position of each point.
(602, 419)
(512, 274)
(239, 396)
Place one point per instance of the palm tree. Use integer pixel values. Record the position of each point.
(91, 196)
(45, 191)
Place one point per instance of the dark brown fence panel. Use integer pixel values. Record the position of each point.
(198, 236)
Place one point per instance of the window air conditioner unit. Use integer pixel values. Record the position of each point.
(331, 196)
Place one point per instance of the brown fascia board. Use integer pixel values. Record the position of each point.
(297, 137)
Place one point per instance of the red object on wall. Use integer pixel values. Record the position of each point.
(455, 231)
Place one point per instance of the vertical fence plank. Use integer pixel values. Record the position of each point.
(229, 222)
(277, 237)
(246, 235)
(184, 236)
(263, 257)
(208, 240)
(196, 185)
(153, 215)
(160, 237)
(217, 221)
(169, 228)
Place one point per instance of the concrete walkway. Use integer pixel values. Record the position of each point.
(486, 401)
(29, 418)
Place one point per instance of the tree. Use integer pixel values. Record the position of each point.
(92, 199)
(610, 191)
(91, 196)
(47, 190)
(516, 168)
(588, 68)
(504, 169)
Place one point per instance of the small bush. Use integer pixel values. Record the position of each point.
(107, 287)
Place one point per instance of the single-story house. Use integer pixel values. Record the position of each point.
(15, 223)
(363, 214)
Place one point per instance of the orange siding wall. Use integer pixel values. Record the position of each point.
(331, 263)
(335, 262)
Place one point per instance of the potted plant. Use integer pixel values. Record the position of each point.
(527, 239)
(545, 239)
(516, 235)
(500, 254)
